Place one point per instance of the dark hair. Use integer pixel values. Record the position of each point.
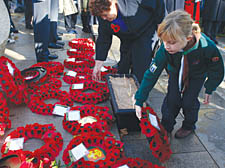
(97, 7)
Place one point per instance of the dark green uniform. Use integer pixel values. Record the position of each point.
(204, 61)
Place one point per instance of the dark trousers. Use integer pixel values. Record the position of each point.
(54, 8)
(70, 22)
(12, 26)
(188, 101)
(28, 11)
(211, 28)
(136, 55)
(41, 24)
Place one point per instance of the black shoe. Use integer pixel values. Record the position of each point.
(59, 38)
(29, 27)
(52, 57)
(19, 9)
(14, 30)
(60, 43)
(55, 46)
(86, 30)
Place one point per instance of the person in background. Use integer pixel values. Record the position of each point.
(28, 14)
(135, 24)
(172, 5)
(213, 15)
(69, 10)
(192, 60)
(85, 16)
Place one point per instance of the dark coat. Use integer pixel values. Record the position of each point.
(214, 10)
(172, 5)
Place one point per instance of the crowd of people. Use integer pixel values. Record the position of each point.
(184, 49)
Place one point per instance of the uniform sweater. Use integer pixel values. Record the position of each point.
(204, 60)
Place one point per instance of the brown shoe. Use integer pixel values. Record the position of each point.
(182, 133)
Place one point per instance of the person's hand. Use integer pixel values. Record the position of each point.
(96, 75)
(138, 111)
(206, 99)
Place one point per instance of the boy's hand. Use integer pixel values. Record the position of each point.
(96, 75)
(206, 99)
(138, 111)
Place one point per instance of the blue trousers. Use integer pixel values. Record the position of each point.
(188, 101)
(41, 22)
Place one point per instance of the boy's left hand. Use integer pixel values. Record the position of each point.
(206, 99)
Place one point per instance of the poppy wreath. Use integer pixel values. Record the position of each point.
(45, 154)
(12, 84)
(100, 94)
(88, 71)
(99, 114)
(54, 70)
(5, 123)
(79, 62)
(80, 77)
(37, 104)
(158, 139)
(74, 53)
(52, 83)
(82, 44)
(104, 150)
(135, 163)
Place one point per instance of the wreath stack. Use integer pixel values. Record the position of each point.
(79, 62)
(98, 115)
(82, 44)
(4, 115)
(135, 163)
(37, 104)
(104, 150)
(79, 95)
(12, 81)
(76, 53)
(80, 77)
(158, 139)
(45, 154)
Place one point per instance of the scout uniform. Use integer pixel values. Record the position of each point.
(204, 60)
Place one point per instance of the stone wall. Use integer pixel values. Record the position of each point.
(4, 27)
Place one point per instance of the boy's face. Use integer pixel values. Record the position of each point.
(173, 46)
(111, 14)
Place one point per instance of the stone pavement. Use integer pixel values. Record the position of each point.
(204, 149)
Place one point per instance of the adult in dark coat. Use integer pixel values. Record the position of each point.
(213, 16)
(172, 5)
(134, 22)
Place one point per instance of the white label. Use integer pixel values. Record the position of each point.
(73, 49)
(28, 77)
(153, 121)
(10, 68)
(60, 110)
(71, 59)
(16, 143)
(71, 73)
(74, 41)
(81, 77)
(79, 61)
(124, 166)
(103, 69)
(78, 86)
(197, 1)
(73, 115)
(79, 151)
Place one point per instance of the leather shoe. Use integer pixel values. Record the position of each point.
(52, 57)
(29, 27)
(59, 38)
(55, 46)
(60, 43)
(182, 133)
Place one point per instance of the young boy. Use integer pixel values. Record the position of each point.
(192, 60)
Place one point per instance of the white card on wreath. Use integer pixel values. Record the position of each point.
(71, 59)
(103, 69)
(16, 143)
(124, 166)
(78, 86)
(73, 115)
(154, 121)
(71, 73)
(81, 77)
(60, 110)
(10, 68)
(79, 151)
(74, 41)
(79, 61)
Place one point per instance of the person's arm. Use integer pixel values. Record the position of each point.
(215, 71)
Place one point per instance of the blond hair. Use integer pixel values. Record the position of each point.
(177, 26)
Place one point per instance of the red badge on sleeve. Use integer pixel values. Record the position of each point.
(116, 28)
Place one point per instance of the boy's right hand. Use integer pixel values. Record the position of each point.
(138, 111)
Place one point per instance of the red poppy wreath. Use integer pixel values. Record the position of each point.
(71, 77)
(82, 44)
(78, 94)
(102, 151)
(76, 53)
(12, 82)
(5, 123)
(135, 163)
(45, 154)
(89, 118)
(37, 104)
(73, 63)
(156, 135)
